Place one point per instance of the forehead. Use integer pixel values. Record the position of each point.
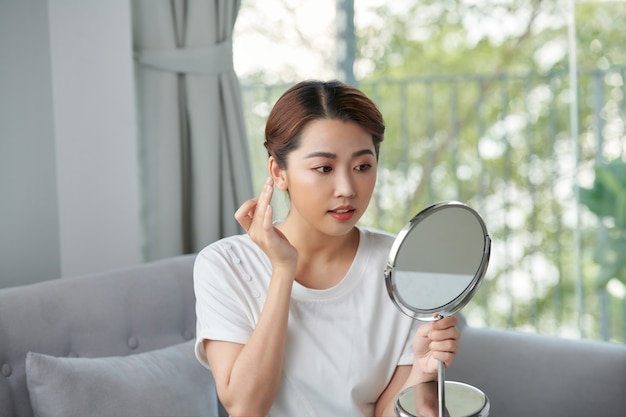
(334, 134)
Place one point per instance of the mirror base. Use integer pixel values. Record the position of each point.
(461, 400)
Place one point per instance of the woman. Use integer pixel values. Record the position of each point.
(293, 316)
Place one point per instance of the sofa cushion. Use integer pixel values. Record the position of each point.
(164, 382)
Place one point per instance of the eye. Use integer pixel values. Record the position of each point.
(323, 169)
(363, 167)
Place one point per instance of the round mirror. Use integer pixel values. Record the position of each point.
(436, 265)
(437, 261)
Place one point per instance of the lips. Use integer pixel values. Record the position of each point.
(342, 213)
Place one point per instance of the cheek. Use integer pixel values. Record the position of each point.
(368, 182)
(308, 193)
(367, 189)
(302, 181)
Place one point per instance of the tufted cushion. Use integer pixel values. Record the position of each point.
(116, 313)
(163, 382)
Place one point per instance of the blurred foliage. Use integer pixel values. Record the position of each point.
(484, 112)
(607, 197)
(476, 98)
(460, 37)
(607, 200)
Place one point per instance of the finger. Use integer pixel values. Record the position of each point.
(245, 213)
(265, 197)
(444, 351)
(268, 221)
(443, 328)
(446, 357)
(447, 322)
(447, 345)
(451, 333)
(424, 329)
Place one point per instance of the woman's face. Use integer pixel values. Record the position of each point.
(331, 175)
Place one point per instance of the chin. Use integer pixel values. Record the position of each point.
(341, 229)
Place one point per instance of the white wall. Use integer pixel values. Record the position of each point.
(29, 234)
(69, 199)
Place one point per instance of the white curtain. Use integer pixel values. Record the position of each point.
(193, 150)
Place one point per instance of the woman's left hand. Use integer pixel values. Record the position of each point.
(433, 342)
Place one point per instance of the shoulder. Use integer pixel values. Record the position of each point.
(377, 239)
(374, 247)
(233, 267)
(228, 253)
(225, 247)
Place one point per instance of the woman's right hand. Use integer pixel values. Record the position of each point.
(256, 217)
(245, 393)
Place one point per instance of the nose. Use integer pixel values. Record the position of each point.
(344, 184)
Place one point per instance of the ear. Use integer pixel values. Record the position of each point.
(278, 174)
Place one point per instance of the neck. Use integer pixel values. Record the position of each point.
(323, 260)
(311, 243)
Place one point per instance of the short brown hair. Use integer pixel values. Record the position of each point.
(312, 100)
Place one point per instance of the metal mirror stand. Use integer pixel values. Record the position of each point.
(435, 266)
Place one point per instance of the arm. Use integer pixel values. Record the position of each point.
(247, 376)
(433, 342)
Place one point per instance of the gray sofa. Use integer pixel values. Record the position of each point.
(120, 344)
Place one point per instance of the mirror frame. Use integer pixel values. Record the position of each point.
(458, 302)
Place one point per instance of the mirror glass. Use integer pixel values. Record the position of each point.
(438, 260)
(462, 401)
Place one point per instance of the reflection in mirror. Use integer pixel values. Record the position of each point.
(462, 401)
(438, 260)
(419, 401)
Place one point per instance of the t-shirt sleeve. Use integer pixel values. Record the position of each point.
(220, 314)
(407, 353)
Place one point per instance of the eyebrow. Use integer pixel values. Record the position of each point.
(334, 156)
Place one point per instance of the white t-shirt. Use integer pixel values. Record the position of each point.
(343, 343)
